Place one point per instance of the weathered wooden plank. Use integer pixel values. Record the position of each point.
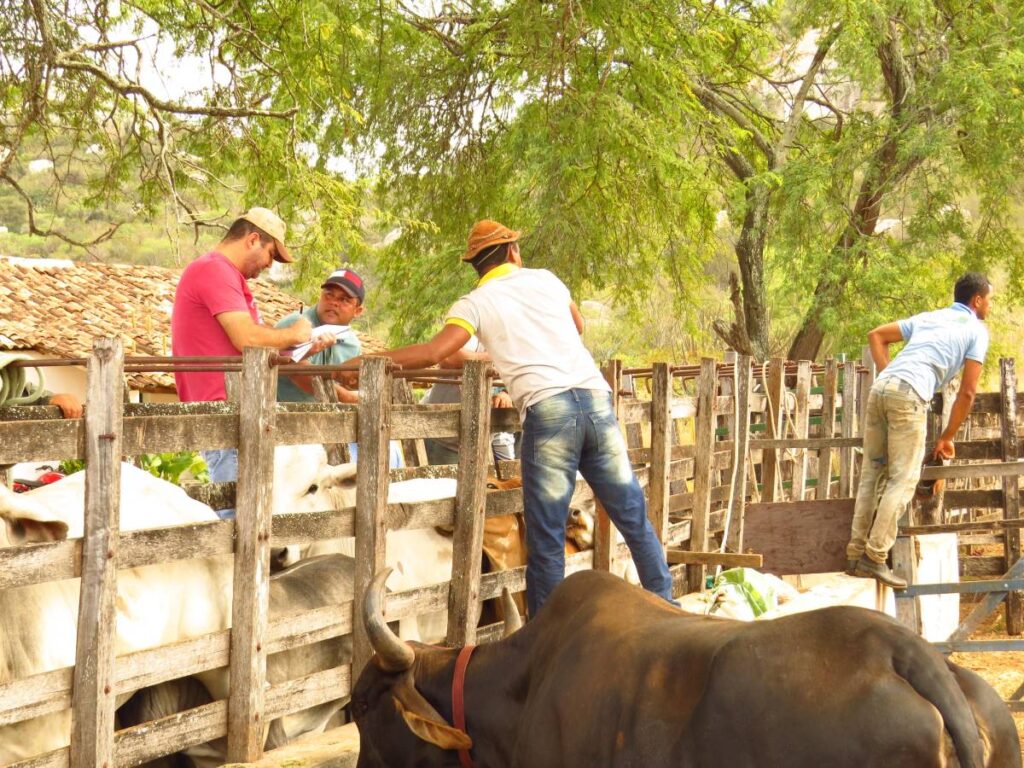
(801, 423)
(800, 537)
(467, 543)
(723, 559)
(812, 443)
(977, 498)
(904, 565)
(849, 427)
(92, 729)
(413, 449)
(325, 392)
(987, 565)
(704, 441)
(988, 469)
(973, 525)
(830, 383)
(990, 402)
(1011, 488)
(375, 429)
(734, 523)
(661, 446)
(776, 391)
(251, 595)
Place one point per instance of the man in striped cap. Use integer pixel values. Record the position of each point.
(531, 328)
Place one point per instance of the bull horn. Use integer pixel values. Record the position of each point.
(395, 655)
(513, 622)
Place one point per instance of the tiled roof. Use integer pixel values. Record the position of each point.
(57, 307)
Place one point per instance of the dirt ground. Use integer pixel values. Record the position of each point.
(1004, 671)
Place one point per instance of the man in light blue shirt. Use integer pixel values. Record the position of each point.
(938, 345)
(340, 302)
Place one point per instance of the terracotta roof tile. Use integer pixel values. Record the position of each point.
(58, 307)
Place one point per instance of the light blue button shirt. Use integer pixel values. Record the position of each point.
(938, 343)
(345, 348)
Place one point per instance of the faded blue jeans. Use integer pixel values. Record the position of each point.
(222, 464)
(894, 437)
(570, 431)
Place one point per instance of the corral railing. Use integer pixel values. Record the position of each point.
(744, 462)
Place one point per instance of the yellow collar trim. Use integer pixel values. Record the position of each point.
(505, 269)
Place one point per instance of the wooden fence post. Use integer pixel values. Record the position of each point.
(801, 423)
(470, 498)
(324, 391)
(849, 425)
(661, 448)
(374, 430)
(1011, 488)
(703, 467)
(92, 731)
(776, 397)
(414, 451)
(828, 427)
(604, 533)
(251, 592)
(744, 386)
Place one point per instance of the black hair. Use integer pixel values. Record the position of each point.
(970, 285)
(489, 258)
(242, 228)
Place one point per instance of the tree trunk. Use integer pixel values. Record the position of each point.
(748, 334)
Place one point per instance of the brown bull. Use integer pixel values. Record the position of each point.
(609, 675)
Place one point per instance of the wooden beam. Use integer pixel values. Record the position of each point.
(371, 490)
(986, 606)
(703, 467)
(724, 559)
(849, 427)
(661, 448)
(470, 496)
(92, 729)
(250, 607)
(776, 386)
(1011, 488)
(826, 431)
(736, 514)
(801, 423)
(325, 392)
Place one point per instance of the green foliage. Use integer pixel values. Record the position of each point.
(166, 466)
(650, 151)
(171, 466)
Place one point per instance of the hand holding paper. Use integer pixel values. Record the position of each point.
(323, 336)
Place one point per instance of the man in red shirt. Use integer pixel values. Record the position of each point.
(215, 315)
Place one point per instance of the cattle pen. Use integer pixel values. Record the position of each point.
(745, 463)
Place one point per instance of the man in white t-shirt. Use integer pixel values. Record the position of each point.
(531, 328)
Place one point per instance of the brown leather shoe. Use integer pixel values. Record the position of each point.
(880, 572)
(851, 567)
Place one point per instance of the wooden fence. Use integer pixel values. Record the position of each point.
(743, 463)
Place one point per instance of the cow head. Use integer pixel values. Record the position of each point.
(305, 482)
(929, 497)
(397, 725)
(26, 521)
(582, 513)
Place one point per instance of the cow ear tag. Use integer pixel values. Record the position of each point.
(435, 732)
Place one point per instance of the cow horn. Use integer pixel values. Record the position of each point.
(513, 622)
(394, 653)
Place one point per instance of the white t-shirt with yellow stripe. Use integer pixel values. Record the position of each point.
(522, 318)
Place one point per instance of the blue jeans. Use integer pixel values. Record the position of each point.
(223, 466)
(570, 431)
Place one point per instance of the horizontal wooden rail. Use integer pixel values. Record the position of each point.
(724, 559)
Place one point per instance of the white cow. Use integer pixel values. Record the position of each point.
(156, 605)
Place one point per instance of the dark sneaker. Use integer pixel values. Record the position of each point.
(879, 572)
